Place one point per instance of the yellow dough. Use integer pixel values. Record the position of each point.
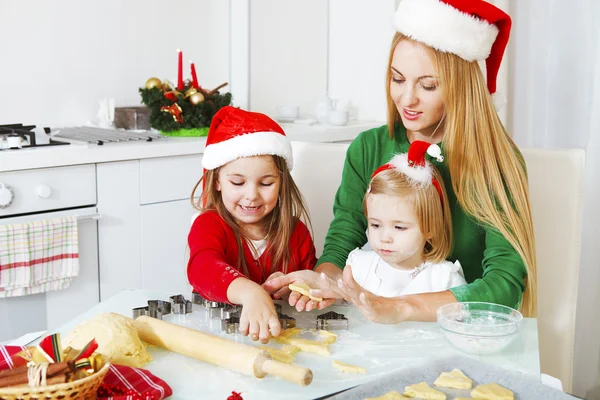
(343, 367)
(328, 337)
(279, 355)
(116, 336)
(290, 332)
(393, 395)
(309, 346)
(455, 379)
(303, 289)
(423, 391)
(290, 349)
(492, 391)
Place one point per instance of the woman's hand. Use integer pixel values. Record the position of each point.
(259, 318)
(384, 310)
(279, 286)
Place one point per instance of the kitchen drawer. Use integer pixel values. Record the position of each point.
(45, 189)
(169, 178)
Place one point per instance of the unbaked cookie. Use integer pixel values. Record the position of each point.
(455, 379)
(492, 391)
(303, 289)
(423, 391)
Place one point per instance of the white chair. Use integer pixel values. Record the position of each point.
(317, 172)
(556, 190)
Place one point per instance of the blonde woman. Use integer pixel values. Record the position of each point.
(436, 92)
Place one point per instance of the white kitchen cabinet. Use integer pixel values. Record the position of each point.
(165, 227)
(146, 219)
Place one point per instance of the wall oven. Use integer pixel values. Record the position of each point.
(48, 193)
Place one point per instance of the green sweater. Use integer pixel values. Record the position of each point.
(494, 270)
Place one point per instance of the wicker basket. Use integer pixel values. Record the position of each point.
(84, 388)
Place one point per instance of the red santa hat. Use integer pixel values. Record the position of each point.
(414, 165)
(472, 29)
(236, 133)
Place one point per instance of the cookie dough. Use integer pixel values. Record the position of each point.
(290, 332)
(492, 391)
(290, 349)
(309, 346)
(423, 391)
(454, 379)
(303, 289)
(116, 336)
(343, 367)
(328, 337)
(393, 395)
(279, 355)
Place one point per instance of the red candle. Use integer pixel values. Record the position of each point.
(180, 70)
(194, 77)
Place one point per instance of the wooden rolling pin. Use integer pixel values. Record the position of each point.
(238, 357)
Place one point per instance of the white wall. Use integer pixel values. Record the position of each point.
(60, 57)
(288, 54)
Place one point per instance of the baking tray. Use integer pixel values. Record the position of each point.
(523, 387)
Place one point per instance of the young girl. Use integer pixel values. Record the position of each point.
(409, 229)
(249, 227)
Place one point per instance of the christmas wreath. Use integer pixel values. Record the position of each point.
(184, 110)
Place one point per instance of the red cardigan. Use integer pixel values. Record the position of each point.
(214, 255)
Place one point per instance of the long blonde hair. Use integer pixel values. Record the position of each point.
(488, 172)
(279, 224)
(433, 212)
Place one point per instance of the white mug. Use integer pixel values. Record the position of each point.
(339, 117)
(288, 112)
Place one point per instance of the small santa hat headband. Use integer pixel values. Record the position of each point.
(414, 165)
(236, 133)
(472, 29)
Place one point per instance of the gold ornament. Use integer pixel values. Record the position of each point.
(153, 83)
(190, 92)
(196, 98)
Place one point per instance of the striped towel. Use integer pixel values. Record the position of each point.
(38, 256)
(140, 381)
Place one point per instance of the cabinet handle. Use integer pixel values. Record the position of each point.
(89, 217)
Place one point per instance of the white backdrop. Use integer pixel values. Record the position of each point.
(555, 103)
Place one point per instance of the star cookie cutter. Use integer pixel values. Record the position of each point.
(332, 321)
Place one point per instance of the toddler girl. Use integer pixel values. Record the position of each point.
(409, 229)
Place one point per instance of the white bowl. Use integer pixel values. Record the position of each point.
(479, 328)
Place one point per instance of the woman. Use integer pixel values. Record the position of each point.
(436, 93)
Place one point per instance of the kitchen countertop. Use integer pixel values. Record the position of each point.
(74, 154)
(381, 349)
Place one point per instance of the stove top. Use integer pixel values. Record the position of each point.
(19, 136)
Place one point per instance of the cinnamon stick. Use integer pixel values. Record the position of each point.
(57, 372)
(215, 90)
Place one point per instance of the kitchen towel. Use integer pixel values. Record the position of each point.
(38, 256)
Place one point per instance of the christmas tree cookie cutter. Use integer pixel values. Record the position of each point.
(332, 321)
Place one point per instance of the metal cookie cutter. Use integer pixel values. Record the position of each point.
(197, 299)
(286, 321)
(154, 309)
(179, 305)
(230, 310)
(332, 321)
(231, 325)
(214, 309)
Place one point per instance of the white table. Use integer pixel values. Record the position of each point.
(379, 348)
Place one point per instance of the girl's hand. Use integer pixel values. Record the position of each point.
(259, 318)
(315, 280)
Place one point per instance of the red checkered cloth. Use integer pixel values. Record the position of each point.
(143, 382)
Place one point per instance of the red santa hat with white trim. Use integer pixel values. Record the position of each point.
(414, 165)
(474, 30)
(236, 133)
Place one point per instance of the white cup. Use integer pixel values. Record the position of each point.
(288, 112)
(338, 117)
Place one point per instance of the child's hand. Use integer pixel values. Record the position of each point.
(314, 280)
(259, 318)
